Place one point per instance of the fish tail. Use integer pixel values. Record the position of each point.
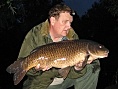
(14, 67)
(18, 76)
(18, 71)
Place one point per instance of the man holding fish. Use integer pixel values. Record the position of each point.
(55, 29)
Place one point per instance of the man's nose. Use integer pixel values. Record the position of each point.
(68, 25)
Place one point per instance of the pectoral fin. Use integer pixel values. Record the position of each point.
(64, 72)
(85, 61)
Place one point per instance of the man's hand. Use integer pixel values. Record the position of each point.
(79, 66)
(43, 69)
(82, 64)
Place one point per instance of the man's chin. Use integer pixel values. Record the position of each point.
(65, 34)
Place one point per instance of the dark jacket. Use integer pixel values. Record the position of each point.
(37, 36)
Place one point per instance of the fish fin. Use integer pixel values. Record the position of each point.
(85, 61)
(18, 70)
(18, 76)
(14, 67)
(64, 71)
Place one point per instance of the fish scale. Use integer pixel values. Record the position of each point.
(63, 55)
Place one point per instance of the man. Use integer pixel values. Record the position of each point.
(56, 28)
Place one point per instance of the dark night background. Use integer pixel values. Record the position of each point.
(99, 23)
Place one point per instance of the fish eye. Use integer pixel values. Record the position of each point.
(100, 46)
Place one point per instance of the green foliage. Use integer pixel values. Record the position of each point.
(25, 13)
(6, 15)
(111, 6)
(98, 21)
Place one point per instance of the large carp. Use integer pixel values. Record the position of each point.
(61, 55)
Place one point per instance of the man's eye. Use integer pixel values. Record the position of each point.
(64, 22)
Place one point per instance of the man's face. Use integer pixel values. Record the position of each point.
(62, 25)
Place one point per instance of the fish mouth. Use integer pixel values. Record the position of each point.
(106, 55)
(102, 56)
(99, 56)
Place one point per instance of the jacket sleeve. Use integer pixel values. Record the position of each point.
(27, 46)
(42, 81)
(96, 65)
(35, 79)
(76, 74)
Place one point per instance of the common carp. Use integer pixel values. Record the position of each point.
(60, 55)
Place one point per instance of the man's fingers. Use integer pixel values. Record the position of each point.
(43, 69)
(37, 67)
